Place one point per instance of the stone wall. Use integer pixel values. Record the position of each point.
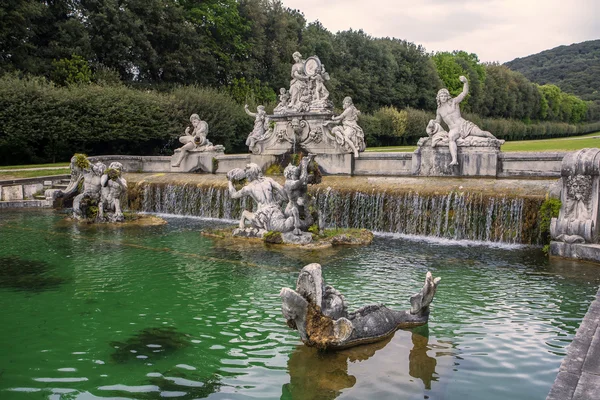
(506, 165)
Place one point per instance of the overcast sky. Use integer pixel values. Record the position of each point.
(496, 30)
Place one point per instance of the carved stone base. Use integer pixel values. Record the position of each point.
(472, 161)
(290, 133)
(579, 251)
(195, 161)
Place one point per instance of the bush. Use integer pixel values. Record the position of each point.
(40, 122)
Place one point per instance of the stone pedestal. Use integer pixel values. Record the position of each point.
(472, 161)
(579, 251)
(195, 161)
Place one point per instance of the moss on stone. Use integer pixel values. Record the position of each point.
(273, 237)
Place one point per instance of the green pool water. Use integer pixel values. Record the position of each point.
(162, 312)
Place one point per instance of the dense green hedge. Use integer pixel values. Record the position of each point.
(40, 122)
(391, 127)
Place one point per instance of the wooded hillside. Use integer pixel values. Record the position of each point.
(575, 68)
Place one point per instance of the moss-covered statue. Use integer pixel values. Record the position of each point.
(320, 314)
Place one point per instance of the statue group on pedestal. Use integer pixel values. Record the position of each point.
(194, 140)
(461, 132)
(268, 195)
(303, 118)
(93, 185)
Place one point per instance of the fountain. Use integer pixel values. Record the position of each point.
(303, 119)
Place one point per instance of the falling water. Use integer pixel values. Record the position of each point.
(454, 215)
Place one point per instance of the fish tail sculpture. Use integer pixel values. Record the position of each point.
(319, 313)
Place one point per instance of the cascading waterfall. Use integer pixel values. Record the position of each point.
(454, 215)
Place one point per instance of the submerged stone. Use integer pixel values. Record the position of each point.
(28, 275)
(149, 343)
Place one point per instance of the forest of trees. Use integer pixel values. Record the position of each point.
(575, 68)
(242, 49)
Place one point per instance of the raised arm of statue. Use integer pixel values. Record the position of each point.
(248, 111)
(236, 194)
(465, 91)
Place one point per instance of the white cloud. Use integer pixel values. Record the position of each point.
(496, 30)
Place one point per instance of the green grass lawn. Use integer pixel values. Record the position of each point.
(8, 174)
(63, 164)
(560, 144)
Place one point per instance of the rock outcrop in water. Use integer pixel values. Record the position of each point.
(319, 312)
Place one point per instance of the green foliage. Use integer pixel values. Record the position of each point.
(548, 210)
(274, 169)
(242, 91)
(392, 122)
(40, 122)
(228, 123)
(69, 71)
(273, 237)
(575, 68)
(82, 161)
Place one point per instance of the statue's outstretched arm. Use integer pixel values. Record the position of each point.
(250, 113)
(465, 91)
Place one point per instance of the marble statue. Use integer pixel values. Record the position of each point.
(448, 110)
(578, 218)
(113, 187)
(295, 188)
(90, 181)
(349, 134)
(284, 101)
(301, 122)
(299, 97)
(319, 313)
(268, 194)
(194, 140)
(261, 125)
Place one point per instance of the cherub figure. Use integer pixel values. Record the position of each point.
(113, 186)
(295, 187)
(284, 99)
(320, 92)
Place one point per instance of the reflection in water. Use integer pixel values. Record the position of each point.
(316, 374)
(420, 365)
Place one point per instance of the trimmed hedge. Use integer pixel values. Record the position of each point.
(41, 122)
(379, 132)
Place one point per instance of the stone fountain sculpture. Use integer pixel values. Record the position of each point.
(93, 185)
(292, 221)
(303, 121)
(575, 232)
(438, 154)
(319, 313)
(197, 151)
(114, 186)
(88, 186)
